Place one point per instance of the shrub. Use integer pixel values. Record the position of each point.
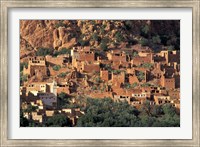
(23, 78)
(156, 39)
(44, 51)
(119, 37)
(83, 42)
(147, 65)
(145, 30)
(61, 52)
(104, 46)
(146, 85)
(60, 24)
(135, 54)
(56, 67)
(62, 74)
(22, 65)
(116, 71)
(140, 75)
(144, 42)
(94, 37)
(104, 43)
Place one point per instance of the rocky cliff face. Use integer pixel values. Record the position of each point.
(59, 34)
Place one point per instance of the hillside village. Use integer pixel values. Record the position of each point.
(59, 82)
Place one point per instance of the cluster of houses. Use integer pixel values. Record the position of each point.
(132, 75)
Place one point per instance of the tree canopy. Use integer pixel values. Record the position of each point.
(107, 113)
(58, 120)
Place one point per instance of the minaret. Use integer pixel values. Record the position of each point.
(54, 87)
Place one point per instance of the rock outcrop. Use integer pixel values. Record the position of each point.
(59, 34)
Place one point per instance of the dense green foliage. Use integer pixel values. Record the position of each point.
(30, 109)
(144, 42)
(135, 54)
(162, 32)
(23, 120)
(140, 75)
(56, 67)
(103, 44)
(145, 85)
(117, 71)
(58, 120)
(63, 100)
(156, 39)
(119, 37)
(62, 75)
(107, 113)
(128, 85)
(61, 52)
(22, 65)
(94, 37)
(60, 24)
(44, 51)
(23, 78)
(146, 65)
(145, 30)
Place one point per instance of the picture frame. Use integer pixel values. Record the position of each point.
(5, 5)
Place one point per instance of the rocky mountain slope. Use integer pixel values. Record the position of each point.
(59, 34)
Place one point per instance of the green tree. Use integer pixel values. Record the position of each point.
(98, 80)
(168, 109)
(103, 44)
(146, 108)
(116, 71)
(22, 65)
(23, 120)
(23, 78)
(140, 75)
(30, 108)
(94, 37)
(64, 100)
(56, 67)
(156, 39)
(145, 31)
(135, 84)
(60, 24)
(44, 51)
(62, 75)
(144, 42)
(61, 52)
(58, 120)
(146, 85)
(147, 65)
(127, 85)
(107, 113)
(135, 54)
(119, 37)
(170, 48)
(128, 24)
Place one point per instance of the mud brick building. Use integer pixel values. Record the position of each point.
(161, 99)
(145, 58)
(171, 56)
(90, 67)
(87, 56)
(118, 78)
(167, 82)
(35, 65)
(104, 74)
(116, 56)
(59, 60)
(132, 78)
